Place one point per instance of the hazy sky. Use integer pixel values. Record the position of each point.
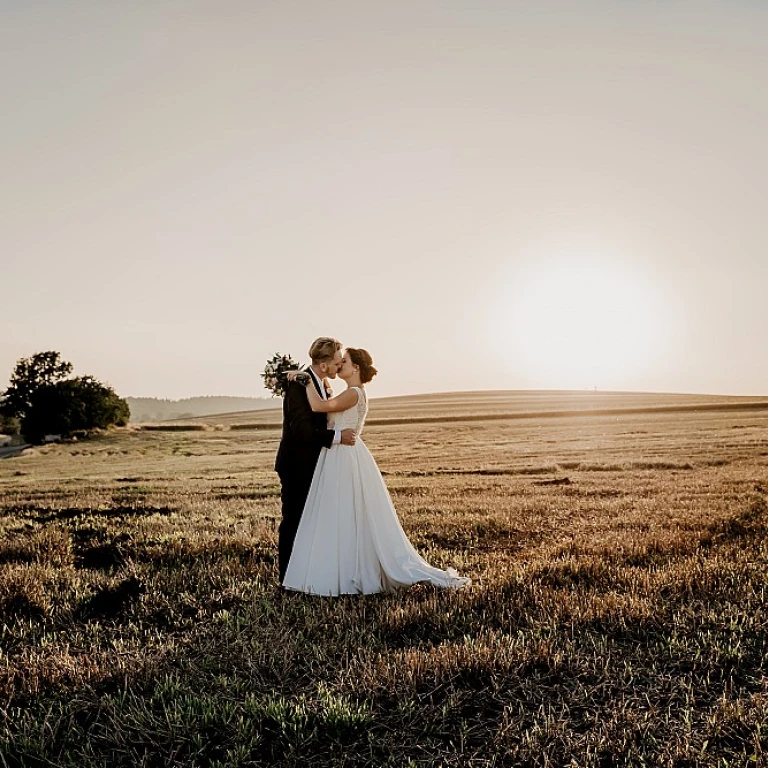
(486, 195)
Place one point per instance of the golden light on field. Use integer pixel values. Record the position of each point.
(581, 323)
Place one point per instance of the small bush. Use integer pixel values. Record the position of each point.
(9, 425)
(66, 407)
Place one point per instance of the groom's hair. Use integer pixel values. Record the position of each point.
(324, 349)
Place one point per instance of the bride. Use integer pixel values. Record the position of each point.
(350, 540)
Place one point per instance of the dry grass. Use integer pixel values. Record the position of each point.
(493, 405)
(617, 615)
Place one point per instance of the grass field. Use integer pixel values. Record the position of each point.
(617, 614)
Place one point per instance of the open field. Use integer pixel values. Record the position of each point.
(502, 404)
(618, 613)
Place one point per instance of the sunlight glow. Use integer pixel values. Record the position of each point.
(582, 323)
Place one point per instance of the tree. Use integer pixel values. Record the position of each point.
(73, 405)
(31, 373)
(44, 401)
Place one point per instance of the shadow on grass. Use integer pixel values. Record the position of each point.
(46, 514)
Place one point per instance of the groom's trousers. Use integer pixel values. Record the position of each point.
(294, 490)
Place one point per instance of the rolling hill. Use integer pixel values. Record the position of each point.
(496, 404)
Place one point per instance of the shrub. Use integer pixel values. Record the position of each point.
(82, 403)
(8, 425)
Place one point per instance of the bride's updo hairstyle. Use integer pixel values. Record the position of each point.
(362, 359)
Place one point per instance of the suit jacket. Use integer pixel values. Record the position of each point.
(304, 433)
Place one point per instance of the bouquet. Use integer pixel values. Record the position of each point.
(275, 378)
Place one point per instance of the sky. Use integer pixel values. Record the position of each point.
(485, 195)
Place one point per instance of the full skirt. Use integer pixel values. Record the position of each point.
(349, 540)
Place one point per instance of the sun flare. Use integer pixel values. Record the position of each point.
(582, 325)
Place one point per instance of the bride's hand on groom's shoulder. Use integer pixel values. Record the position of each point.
(299, 376)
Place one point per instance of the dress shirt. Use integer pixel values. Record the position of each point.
(324, 395)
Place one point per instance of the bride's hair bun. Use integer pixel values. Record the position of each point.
(363, 360)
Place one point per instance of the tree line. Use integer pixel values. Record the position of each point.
(43, 399)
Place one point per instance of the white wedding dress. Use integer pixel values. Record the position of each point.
(350, 540)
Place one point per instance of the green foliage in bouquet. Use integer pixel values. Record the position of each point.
(276, 370)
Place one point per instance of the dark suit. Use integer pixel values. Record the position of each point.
(305, 433)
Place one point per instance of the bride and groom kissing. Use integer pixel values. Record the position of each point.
(339, 532)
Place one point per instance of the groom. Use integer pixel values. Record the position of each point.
(305, 433)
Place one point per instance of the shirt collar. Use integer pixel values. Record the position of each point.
(320, 386)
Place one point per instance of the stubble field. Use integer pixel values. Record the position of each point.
(617, 614)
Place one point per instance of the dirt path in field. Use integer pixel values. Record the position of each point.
(682, 408)
(7, 451)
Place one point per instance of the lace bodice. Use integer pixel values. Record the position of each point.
(353, 417)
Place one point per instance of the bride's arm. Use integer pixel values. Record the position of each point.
(341, 402)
